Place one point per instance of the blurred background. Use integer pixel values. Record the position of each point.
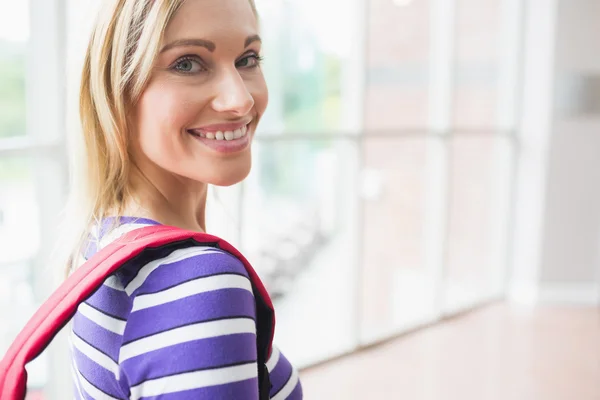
(424, 204)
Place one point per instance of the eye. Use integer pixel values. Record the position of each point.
(187, 65)
(249, 61)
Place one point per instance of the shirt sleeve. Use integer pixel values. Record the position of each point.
(191, 332)
(285, 382)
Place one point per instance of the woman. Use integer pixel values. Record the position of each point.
(171, 95)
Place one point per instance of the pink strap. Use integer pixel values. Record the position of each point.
(54, 314)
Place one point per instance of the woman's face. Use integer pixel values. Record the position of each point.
(198, 115)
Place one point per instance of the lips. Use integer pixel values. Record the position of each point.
(224, 138)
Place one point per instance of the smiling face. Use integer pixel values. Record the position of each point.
(197, 116)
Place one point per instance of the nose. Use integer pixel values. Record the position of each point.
(232, 95)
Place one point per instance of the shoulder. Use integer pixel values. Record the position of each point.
(190, 301)
(179, 287)
(157, 268)
(169, 276)
(169, 266)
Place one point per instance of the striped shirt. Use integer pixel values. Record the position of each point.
(177, 325)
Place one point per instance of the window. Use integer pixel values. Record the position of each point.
(32, 168)
(12, 87)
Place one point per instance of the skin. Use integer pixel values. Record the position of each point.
(192, 87)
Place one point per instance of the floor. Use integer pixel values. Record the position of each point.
(499, 352)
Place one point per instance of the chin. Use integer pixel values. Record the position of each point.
(229, 178)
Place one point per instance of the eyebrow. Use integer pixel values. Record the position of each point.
(251, 39)
(210, 46)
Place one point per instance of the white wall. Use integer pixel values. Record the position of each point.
(570, 259)
(556, 242)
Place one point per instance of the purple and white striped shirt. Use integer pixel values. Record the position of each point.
(179, 324)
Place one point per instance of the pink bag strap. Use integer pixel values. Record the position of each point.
(57, 311)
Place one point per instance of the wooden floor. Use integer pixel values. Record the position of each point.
(496, 353)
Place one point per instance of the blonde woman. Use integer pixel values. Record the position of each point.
(171, 95)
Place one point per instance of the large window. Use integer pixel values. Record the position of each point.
(414, 194)
(32, 169)
(437, 144)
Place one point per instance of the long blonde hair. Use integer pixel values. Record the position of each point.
(122, 49)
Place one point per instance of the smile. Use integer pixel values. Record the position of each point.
(224, 139)
(227, 135)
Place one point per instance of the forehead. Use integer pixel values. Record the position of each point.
(212, 20)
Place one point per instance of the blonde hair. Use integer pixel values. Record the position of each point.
(123, 47)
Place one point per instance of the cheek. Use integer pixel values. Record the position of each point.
(163, 112)
(260, 94)
(161, 118)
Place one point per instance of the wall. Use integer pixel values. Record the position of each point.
(570, 259)
(556, 252)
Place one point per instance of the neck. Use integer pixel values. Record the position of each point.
(167, 199)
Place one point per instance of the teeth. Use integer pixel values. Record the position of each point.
(226, 135)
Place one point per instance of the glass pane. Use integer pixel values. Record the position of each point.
(14, 33)
(397, 64)
(478, 34)
(305, 63)
(19, 230)
(479, 195)
(397, 290)
(299, 230)
(20, 241)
